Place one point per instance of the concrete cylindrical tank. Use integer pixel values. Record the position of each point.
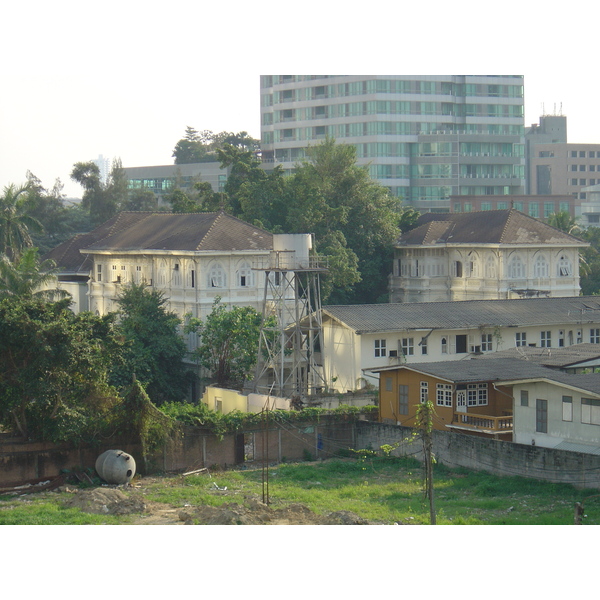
(116, 466)
(297, 245)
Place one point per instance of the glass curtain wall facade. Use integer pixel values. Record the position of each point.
(426, 138)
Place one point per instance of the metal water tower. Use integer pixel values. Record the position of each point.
(290, 340)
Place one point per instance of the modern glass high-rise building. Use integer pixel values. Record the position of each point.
(425, 137)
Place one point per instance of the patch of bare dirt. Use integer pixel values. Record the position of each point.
(114, 501)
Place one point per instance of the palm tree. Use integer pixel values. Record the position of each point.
(565, 222)
(15, 223)
(27, 277)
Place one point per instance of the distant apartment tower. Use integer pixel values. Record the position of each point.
(104, 165)
(426, 138)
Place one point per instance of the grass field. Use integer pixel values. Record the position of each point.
(384, 490)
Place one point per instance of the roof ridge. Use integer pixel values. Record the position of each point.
(506, 221)
(216, 218)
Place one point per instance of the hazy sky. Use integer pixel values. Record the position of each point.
(124, 79)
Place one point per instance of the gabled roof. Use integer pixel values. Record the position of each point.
(501, 371)
(466, 314)
(146, 231)
(484, 227)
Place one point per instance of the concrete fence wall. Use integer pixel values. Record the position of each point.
(197, 448)
(494, 456)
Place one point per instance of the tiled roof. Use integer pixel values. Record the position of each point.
(499, 370)
(146, 232)
(374, 318)
(484, 227)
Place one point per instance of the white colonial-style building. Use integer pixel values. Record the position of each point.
(191, 258)
(498, 254)
(358, 338)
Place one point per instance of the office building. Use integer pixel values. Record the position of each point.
(424, 137)
(555, 166)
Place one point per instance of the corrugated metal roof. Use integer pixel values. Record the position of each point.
(571, 447)
(374, 318)
(484, 227)
(552, 357)
(499, 370)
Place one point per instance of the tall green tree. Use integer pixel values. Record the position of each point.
(48, 207)
(16, 224)
(253, 194)
(330, 192)
(228, 343)
(154, 349)
(102, 199)
(54, 370)
(29, 278)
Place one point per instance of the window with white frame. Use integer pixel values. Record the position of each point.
(520, 338)
(546, 339)
(567, 408)
(245, 275)
(595, 336)
(162, 274)
(443, 394)
(177, 275)
(380, 348)
(424, 391)
(407, 346)
(98, 272)
(477, 394)
(524, 398)
(516, 268)
(490, 268)
(444, 345)
(217, 277)
(590, 411)
(424, 346)
(540, 267)
(486, 342)
(564, 266)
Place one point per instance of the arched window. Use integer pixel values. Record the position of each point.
(540, 267)
(245, 276)
(516, 268)
(177, 268)
(217, 277)
(490, 268)
(565, 269)
(162, 274)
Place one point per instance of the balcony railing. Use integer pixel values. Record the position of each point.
(483, 423)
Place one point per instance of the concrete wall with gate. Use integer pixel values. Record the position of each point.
(480, 454)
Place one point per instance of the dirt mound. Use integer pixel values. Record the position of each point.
(261, 514)
(128, 501)
(106, 501)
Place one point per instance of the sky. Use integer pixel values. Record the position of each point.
(124, 79)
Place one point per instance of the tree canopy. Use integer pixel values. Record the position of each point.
(228, 343)
(16, 222)
(102, 199)
(355, 220)
(201, 146)
(54, 370)
(154, 349)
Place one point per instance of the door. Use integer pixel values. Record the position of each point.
(461, 401)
